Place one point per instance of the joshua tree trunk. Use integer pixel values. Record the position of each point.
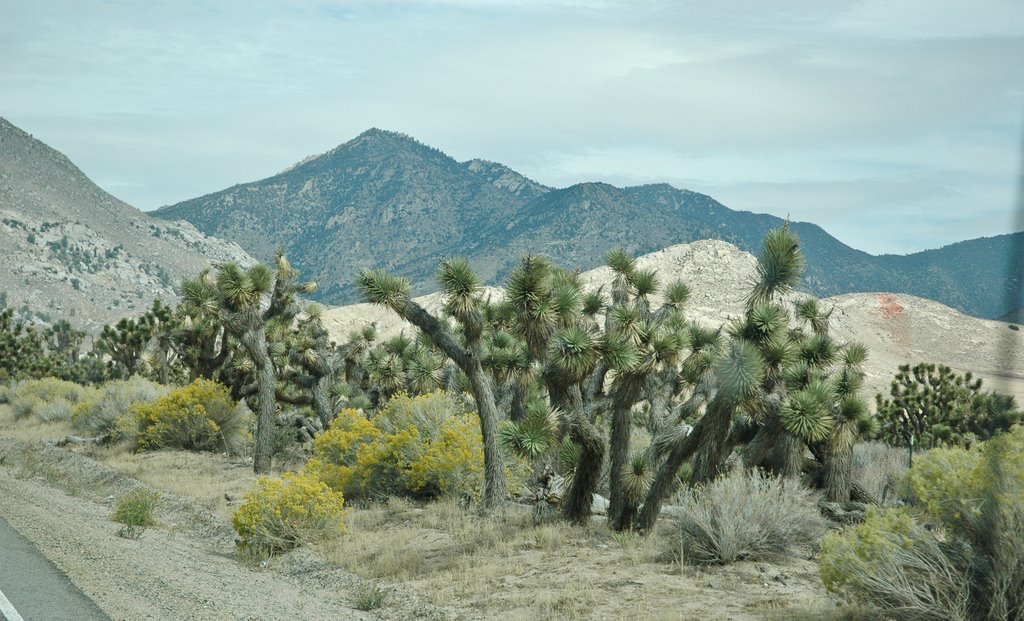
(579, 498)
(838, 462)
(786, 457)
(322, 401)
(837, 476)
(621, 508)
(714, 448)
(517, 405)
(666, 480)
(494, 464)
(255, 343)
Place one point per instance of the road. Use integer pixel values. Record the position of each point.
(33, 589)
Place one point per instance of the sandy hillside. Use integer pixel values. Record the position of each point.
(897, 328)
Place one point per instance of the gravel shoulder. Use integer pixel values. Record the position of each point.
(183, 569)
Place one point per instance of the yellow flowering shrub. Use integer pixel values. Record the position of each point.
(279, 514)
(336, 452)
(200, 417)
(452, 462)
(426, 446)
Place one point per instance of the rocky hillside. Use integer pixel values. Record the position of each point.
(71, 251)
(897, 328)
(386, 200)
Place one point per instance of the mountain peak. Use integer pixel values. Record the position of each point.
(378, 133)
(393, 139)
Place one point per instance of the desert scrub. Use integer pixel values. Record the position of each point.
(426, 446)
(279, 514)
(747, 516)
(198, 417)
(105, 410)
(880, 469)
(49, 399)
(954, 552)
(136, 511)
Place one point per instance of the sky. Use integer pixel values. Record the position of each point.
(897, 125)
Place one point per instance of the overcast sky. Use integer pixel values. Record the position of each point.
(894, 124)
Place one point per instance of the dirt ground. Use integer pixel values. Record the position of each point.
(399, 560)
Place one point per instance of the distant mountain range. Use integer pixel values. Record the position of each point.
(69, 250)
(387, 200)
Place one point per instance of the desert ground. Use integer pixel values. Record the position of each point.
(400, 560)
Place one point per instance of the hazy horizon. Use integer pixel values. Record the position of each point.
(896, 126)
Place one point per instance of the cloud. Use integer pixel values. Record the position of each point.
(767, 104)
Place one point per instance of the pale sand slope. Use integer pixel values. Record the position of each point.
(896, 328)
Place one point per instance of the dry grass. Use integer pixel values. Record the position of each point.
(211, 481)
(880, 468)
(31, 429)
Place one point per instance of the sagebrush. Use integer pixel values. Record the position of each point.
(747, 516)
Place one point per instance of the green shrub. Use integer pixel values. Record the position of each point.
(279, 514)
(368, 596)
(136, 510)
(198, 417)
(106, 409)
(747, 516)
(955, 552)
(422, 446)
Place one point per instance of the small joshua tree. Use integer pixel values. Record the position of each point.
(930, 405)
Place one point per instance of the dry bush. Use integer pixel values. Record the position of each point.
(105, 409)
(54, 411)
(48, 399)
(880, 469)
(747, 516)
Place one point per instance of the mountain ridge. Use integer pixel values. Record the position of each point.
(72, 251)
(385, 199)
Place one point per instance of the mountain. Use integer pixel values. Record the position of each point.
(896, 328)
(71, 251)
(386, 200)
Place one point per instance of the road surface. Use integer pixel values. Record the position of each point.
(32, 589)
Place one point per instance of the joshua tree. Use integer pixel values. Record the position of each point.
(793, 387)
(124, 343)
(931, 405)
(243, 301)
(461, 288)
(649, 345)
(310, 364)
